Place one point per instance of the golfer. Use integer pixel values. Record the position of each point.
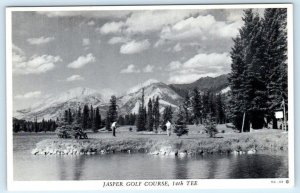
(114, 127)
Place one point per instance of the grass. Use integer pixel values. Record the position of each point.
(197, 142)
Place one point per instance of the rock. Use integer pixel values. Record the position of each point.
(154, 153)
(173, 153)
(103, 151)
(182, 154)
(251, 151)
(35, 151)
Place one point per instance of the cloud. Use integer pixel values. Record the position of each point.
(34, 94)
(82, 61)
(146, 21)
(116, 40)
(134, 47)
(86, 14)
(200, 65)
(74, 77)
(130, 69)
(201, 27)
(85, 41)
(112, 27)
(154, 20)
(35, 64)
(133, 69)
(148, 69)
(40, 40)
(18, 50)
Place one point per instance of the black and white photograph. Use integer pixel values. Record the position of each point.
(150, 96)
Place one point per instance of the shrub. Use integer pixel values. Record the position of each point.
(210, 127)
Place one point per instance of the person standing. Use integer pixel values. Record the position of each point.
(168, 125)
(113, 127)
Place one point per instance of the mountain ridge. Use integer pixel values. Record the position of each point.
(54, 106)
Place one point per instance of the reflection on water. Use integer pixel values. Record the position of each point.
(142, 166)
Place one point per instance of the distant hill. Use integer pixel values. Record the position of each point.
(54, 106)
(213, 84)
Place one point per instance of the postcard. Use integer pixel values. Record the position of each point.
(150, 97)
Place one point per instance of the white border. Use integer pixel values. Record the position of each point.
(98, 185)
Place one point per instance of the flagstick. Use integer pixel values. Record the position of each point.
(284, 118)
(243, 122)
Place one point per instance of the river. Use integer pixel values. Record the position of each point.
(137, 166)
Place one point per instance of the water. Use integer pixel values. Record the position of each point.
(123, 166)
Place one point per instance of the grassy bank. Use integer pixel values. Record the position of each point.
(194, 143)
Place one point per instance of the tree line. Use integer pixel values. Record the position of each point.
(258, 77)
(33, 126)
(198, 106)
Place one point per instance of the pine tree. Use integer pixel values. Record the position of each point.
(156, 113)
(180, 126)
(150, 119)
(66, 116)
(167, 115)
(196, 104)
(141, 119)
(91, 118)
(275, 37)
(112, 113)
(236, 77)
(248, 85)
(186, 107)
(79, 116)
(97, 120)
(255, 80)
(220, 110)
(85, 117)
(121, 120)
(70, 117)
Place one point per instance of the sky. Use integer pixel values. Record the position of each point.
(111, 51)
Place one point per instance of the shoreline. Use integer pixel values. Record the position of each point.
(249, 143)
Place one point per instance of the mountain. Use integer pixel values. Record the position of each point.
(213, 84)
(130, 101)
(170, 95)
(54, 106)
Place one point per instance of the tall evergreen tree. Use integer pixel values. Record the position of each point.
(186, 107)
(70, 117)
(141, 119)
(91, 118)
(237, 104)
(244, 61)
(196, 104)
(220, 110)
(79, 117)
(259, 68)
(156, 113)
(167, 115)
(275, 37)
(97, 120)
(112, 113)
(85, 117)
(150, 118)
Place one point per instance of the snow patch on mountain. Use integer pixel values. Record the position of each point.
(142, 85)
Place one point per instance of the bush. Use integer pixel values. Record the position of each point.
(181, 129)
(210, 127)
